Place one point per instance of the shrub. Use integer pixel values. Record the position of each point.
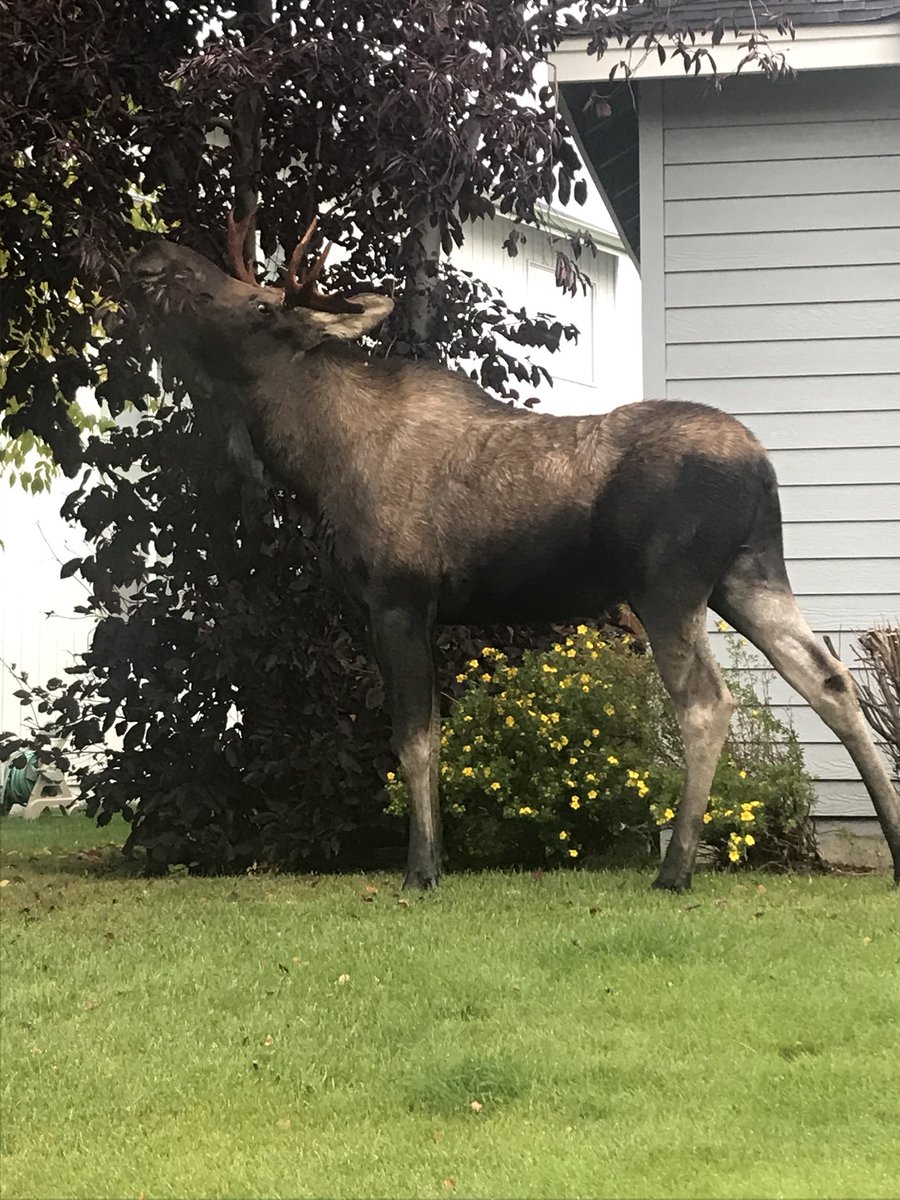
(574, 755)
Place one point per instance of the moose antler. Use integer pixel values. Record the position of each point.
(302, 292)
(234, 247)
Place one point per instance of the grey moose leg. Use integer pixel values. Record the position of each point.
(402, 642)
(703, 707)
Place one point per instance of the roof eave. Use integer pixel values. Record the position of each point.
(813, 48)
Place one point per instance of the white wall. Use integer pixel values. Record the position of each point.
(603, 368)
(39, 629)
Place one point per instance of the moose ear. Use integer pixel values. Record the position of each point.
(353, 325)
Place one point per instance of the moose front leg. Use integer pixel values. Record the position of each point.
(403, 649)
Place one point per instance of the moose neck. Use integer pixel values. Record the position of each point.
(323, 422)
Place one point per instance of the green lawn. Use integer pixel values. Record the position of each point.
(561, 1036)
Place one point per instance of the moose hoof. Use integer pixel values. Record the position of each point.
(671, 885)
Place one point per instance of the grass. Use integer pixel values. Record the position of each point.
(568, 1035)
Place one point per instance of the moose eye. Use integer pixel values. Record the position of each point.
(262, 307)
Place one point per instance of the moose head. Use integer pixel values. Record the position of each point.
(221, 318)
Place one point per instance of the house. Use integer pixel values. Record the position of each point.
(765, 218)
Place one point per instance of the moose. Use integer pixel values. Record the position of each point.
(441, 504)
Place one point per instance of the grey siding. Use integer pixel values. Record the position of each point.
(771, 271)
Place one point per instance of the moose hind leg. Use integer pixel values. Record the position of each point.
(402, 644)
(703, 707)
(768, 614)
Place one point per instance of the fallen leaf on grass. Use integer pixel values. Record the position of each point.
(721, 903)
(36, 1050)
(437, 1135)
(371, 889)
(343, 978)
(476, 1106)
(270, 1041)
(448, 1184)
(91, 1004)
(403, 902)
(538, 874)
(866, 941)
(284, 1123)
(4, 883)
(761, 888)
(109, 935)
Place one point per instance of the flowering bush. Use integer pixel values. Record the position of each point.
(574, 754)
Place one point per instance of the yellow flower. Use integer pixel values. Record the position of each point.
(573, 762)
(723, 627)
(486, 772)
(669, 814)
(707, 817)
(467, 749)
(750, 840)
(468, 772)
(488, 651)
(479, 741)
(510, 721)
(592, 794)
(554, 717)
(473, 663)
(586, 742)
(485, 678)
(746, 815)
(525, 811)
(575, 803)
(512, 672)
(495, 786)
(590, 645)
(563, 836)
(547, 669)
(612, 760)
(590, 776)
(733, 854)
(391, 776)
(585, 688)
(460, 679)
(467, 717)
(582, 629)
(584, 678)
(595, 733)
(570, 654)
(573, 853)
(609, 710)
(742, 774)
(564, 741)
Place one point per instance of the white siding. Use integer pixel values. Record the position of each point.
(771, 273)
(39, 629)
(603, 368)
